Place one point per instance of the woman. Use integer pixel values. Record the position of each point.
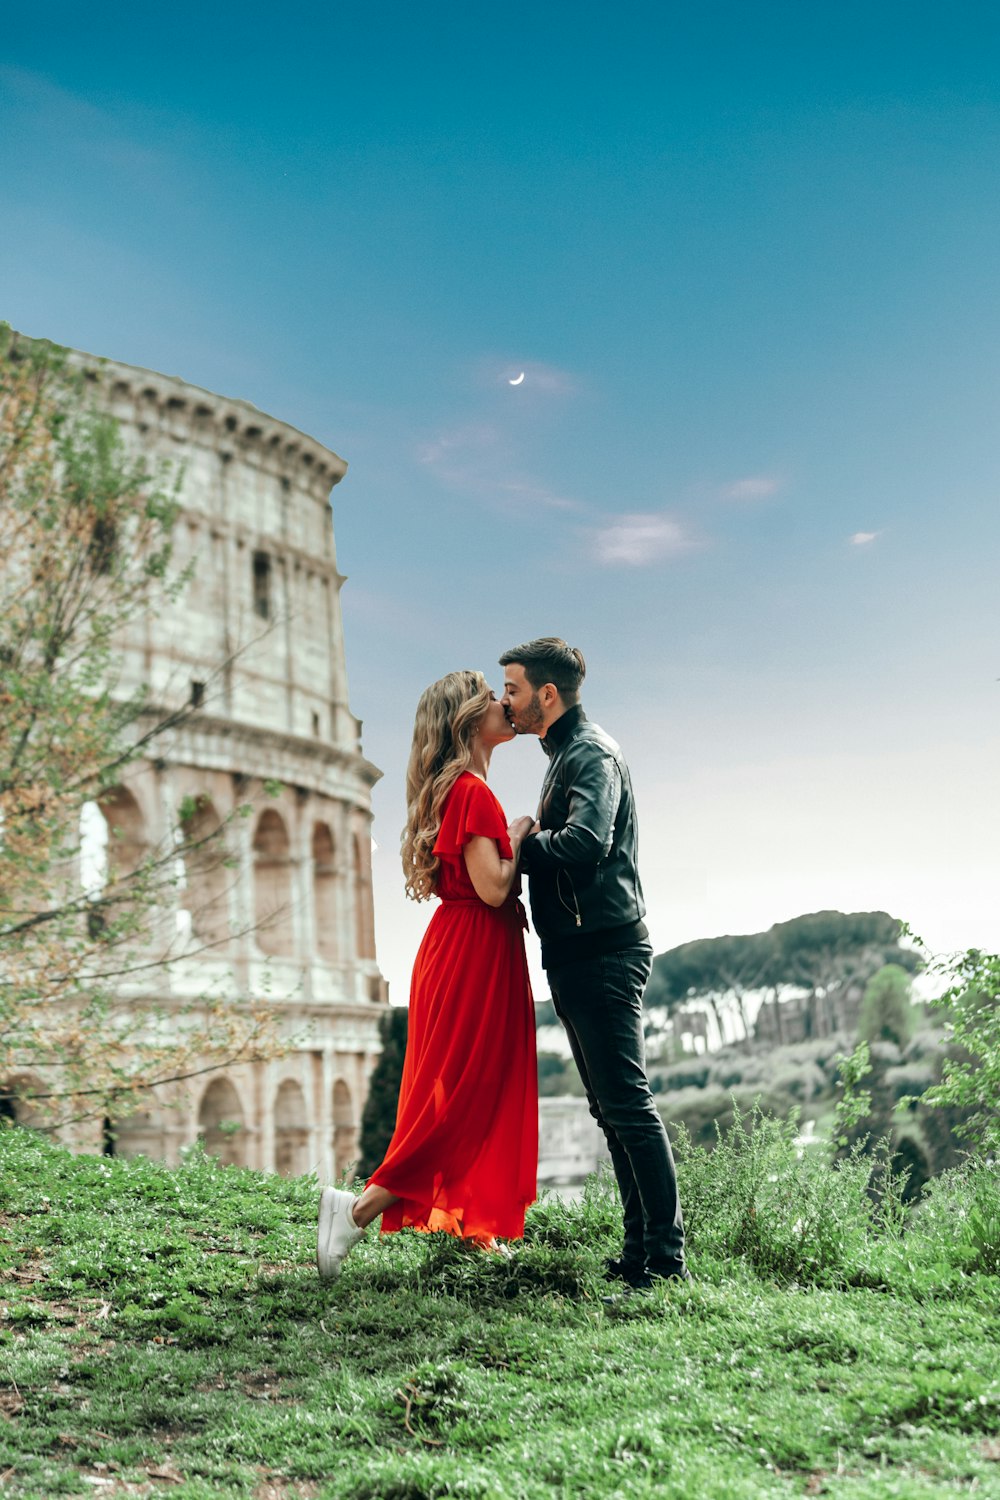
(464, 1153)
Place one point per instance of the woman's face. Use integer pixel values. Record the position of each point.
(494, 726)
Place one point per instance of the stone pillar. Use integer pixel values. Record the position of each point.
(302, 886)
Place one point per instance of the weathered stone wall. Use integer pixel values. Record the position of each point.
(255, 645)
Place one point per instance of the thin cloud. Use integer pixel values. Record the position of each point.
(753, 487)
(449, 447)
(82, 127)
(863, 538)
(638, 540)
(472, 458)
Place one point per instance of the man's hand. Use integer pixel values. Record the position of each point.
(518, 831)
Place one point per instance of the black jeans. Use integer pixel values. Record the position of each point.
(599, 1002)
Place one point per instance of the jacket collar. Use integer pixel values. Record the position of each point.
(563, 728)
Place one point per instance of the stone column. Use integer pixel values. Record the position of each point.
(304, 915)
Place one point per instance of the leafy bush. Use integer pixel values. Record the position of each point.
(970, 1078)
(957, 1223)
(704, 1113)
(910, 1079)
(757, 1195)
(691, 1073)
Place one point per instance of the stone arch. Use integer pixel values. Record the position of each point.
(221, 1123)
(139, 1134)
(206, 879)
(364, 920)
(291, 1135)
(272, 881)
(325, 892)
(345, 1130)
(112, 846)
(16, 1108)
(127, 838)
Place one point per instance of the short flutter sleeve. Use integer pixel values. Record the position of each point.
(471, 810)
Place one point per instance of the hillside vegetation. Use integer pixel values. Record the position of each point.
(164, 1332)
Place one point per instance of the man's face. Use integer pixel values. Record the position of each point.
(521, 702)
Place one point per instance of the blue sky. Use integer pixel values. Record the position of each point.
(747, 258)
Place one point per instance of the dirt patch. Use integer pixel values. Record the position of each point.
(274, 1487)
(11, 1403)
(261, 1385)
(102, 1481)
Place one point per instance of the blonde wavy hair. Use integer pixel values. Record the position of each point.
(448, 716)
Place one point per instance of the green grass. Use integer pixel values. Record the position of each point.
(164, 1332)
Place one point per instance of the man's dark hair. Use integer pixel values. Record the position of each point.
(549, 659)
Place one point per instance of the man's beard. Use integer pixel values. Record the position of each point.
(529, 719)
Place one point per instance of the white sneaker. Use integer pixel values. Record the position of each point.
(338, 1233)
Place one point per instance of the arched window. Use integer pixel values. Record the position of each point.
(262, 585)
(16, 1106)
(127, 843)
(363, 916)
(290, 1134)
(221, 1123)
(206, 879)
(113, 844)
(345, 1130)
(272, 877)
(325, 893)
(139, 1134)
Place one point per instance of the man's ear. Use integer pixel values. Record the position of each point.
(549, 694)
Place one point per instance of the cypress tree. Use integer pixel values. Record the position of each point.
(379, 1117)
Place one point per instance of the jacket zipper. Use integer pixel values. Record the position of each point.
(573, 910)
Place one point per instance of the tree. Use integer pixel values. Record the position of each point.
(378, 1120)
(887, 1010)
(970, 1076)
(85, 543)
(719, 972)
(819, 953)
(825, 951)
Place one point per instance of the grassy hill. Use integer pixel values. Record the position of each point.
(164, 1332)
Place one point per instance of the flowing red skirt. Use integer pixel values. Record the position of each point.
(464, 1154)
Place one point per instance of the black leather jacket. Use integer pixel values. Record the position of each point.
(583, 879)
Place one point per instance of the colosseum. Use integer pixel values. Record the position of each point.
(254, 645)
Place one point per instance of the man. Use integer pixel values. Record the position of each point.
(587, 908)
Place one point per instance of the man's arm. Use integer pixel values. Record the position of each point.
(595, 790)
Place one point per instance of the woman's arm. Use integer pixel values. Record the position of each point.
(492, 876)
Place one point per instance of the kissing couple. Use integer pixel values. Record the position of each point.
(463, 1157)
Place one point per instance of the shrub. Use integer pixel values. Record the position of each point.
(692, 1073)
(970, 1078)
(957, 1222)
(910, 1079)
(788, 1213)
(705, 1113)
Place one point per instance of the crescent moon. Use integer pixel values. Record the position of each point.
(518, 380)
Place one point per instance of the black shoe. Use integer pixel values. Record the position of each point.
(671, 1273)
(629, 1271)
(644, 1282)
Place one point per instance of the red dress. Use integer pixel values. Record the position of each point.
(464, 1153)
